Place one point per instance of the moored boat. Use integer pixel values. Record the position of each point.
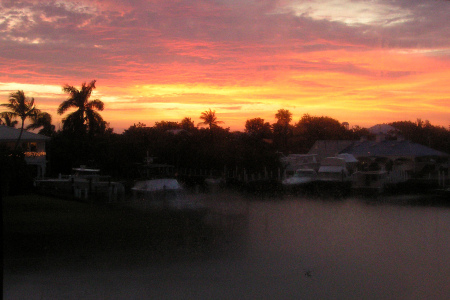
(302, 180)
(333, 177)
(163, 193)
(84, 183)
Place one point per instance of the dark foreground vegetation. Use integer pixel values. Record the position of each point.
(42, 232)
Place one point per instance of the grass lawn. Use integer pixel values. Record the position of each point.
(40, 231)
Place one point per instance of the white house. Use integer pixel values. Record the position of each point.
(33, 145)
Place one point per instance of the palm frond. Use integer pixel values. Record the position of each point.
(74, 122)
(68, 89)
(7, 118)
(95, 104)
(65, 105)
(40, 119)
(94, 120)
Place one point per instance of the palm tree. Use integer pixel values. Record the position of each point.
(43, 120)
(85, 118)
(7, 119)
(282, 126)
(20, 107)
(209, 118)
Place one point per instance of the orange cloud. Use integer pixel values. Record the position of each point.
(157, 60)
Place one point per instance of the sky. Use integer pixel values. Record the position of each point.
(358, 61)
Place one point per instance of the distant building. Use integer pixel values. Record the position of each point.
(33, 145)
(404, 155)
(346, 125)
(400, 154)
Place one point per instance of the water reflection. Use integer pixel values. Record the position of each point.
(352, 250)
(281, 248)
(347, 249)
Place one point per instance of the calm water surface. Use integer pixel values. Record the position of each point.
(282, 248)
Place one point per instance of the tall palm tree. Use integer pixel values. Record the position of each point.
(21, 107)
(85, 118)
(209, 118)
(7, 119)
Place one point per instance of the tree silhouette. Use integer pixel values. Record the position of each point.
(258, 128)
(314, 128)
(85, 118)
(436, 137)
(209, 118)
(21, 107)
(7, 119)
(282, 127)
(166, 125)
(187, 124)
(43, 120)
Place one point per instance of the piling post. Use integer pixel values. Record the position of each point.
(443, 179)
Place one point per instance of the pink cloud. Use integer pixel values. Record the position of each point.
(218, 43)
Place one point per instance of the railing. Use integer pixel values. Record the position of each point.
(35, 154)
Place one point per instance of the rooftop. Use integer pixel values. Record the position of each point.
(12, 134)
(391, 148)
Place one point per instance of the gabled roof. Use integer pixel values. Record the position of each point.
(8, 134)
(391, 148)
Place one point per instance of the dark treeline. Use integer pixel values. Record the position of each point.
(87, 139)
(198, 148)
(184, 145)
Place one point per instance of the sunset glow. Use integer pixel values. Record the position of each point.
(363, 62)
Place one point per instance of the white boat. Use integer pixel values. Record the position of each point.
(82, 184)
(333, 179)
(333, 169)
(164, 193)
(300, 178)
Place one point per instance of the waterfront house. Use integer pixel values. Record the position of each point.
(398, 157)
(403, 155)
(31, 143)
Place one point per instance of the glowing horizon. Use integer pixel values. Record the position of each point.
(355, 61)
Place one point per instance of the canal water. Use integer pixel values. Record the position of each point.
(281, 248)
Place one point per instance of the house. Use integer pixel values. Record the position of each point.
(33, 145)
(404, 155)
(396, 155)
